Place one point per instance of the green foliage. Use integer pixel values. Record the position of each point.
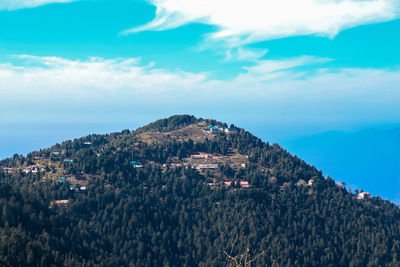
(170, 217)
(169, 124)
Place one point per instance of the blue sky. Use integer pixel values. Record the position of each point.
(284, 68)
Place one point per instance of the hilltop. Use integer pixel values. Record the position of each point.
(183, 191)
(183, 140)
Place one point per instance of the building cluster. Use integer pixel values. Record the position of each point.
(34, 168)
(241, 184)
(217, 129)
(206, 163)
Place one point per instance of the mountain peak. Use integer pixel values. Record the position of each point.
(168, 124)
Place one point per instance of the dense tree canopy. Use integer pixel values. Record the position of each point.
(155, 216)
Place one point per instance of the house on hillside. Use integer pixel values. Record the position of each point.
(244, 184)
(228, 183)
(230, 130)
(241, 184)
(213, 129)
(206, 156)
(136, 164)
(31, 168)
(62, 179)
(69, 161)
(55, 155)
(175, 165)
(59, 203)
(87, 143)
(206, 166)
(212, 184)
(202, 156)
(364, 195)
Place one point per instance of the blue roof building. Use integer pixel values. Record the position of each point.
(136, 164)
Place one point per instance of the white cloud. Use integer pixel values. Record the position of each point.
(18, 4)
(50, 77)
(248, 21)
(277, 90)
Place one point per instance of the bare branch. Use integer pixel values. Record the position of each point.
(256, 257)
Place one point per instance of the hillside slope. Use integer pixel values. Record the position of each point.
(183, 191)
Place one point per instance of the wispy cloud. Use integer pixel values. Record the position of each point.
(245, 54)
(280, 89)
(49, 76)
(242, 22)
(269, 66)
(18, 4)
(52, 77)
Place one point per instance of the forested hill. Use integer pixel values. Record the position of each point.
(184, 191)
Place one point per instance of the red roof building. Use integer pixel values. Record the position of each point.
(228, 183)
(244, 184)
(176, 165)
(31, 168)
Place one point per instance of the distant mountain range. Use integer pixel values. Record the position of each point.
(367, 159)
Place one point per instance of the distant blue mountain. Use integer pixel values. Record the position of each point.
(368, 159)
